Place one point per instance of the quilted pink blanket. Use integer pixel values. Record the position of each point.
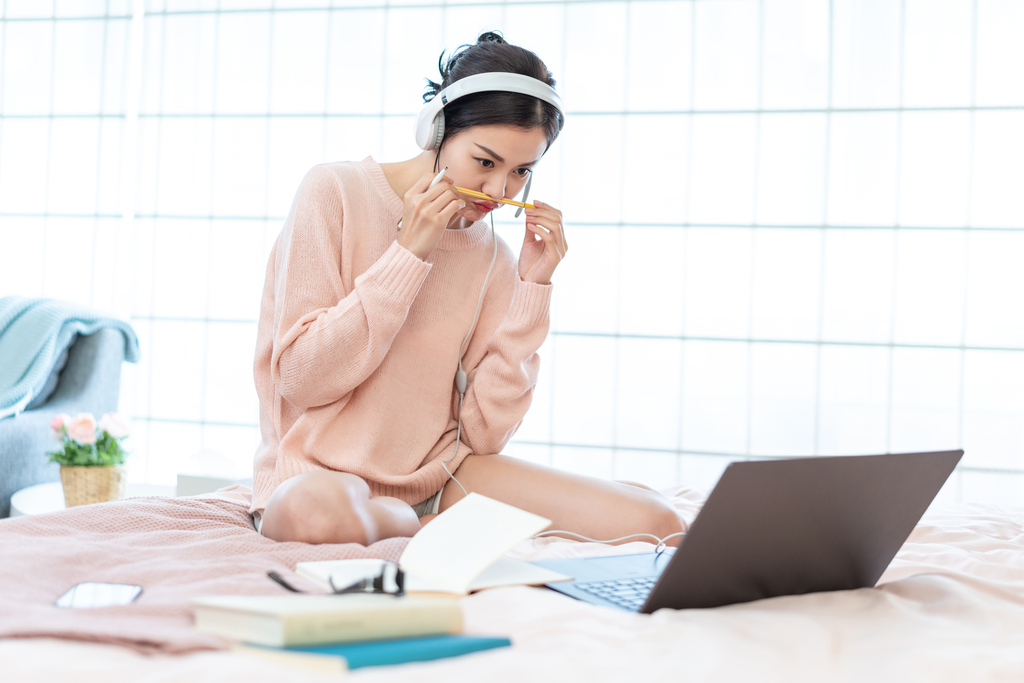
(175, 548)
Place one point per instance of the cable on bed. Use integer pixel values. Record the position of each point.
(657, 551)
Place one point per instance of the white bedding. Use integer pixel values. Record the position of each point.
(949, 608)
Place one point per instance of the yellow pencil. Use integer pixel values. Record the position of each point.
(481, 195)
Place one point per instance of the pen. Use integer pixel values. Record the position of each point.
(481, 195)
(474, 193)
(438, 177)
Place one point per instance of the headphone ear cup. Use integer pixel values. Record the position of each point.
(436, 131)
(526, 193)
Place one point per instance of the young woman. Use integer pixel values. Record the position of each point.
(375, 303)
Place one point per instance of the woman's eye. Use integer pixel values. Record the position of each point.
(521, 172)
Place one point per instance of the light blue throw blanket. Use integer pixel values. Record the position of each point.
(33, 335)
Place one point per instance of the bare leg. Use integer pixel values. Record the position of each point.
(638, 485)
(334, 507)
(597, 508)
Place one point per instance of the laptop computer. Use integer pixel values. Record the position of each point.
(774, 527)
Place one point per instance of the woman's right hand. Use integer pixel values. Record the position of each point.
(427, 213)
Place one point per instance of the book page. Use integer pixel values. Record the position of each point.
(509, 572)
(465, 539)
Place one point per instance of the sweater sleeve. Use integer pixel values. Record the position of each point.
(328, 341)
(501, 384)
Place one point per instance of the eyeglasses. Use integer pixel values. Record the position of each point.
(390, 581)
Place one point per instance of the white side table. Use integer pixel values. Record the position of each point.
(35, 500)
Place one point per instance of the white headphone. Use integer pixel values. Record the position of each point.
(430, 122)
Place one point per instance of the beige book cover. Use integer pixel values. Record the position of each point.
(287, 620)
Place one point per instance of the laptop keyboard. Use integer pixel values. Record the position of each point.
(628, 593)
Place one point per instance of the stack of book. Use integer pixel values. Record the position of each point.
(460, 551)
(334, 632)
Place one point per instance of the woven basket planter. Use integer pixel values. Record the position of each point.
(86, 485)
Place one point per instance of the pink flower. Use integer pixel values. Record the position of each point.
(114, 425)
(82, 428)
(57, 425)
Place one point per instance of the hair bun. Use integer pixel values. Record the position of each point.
(493, 54)
(490, 37)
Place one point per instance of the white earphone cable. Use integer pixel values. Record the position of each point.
(479, 301)
(461, 380)
(661, 541)
(461, 383)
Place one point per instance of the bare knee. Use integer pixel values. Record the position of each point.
(320, 507)
(636, 484)
(652, 511)
(664, 520)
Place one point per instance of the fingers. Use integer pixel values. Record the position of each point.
(435, 200)
(544, 211)
(448, 211)
(550, 220)
(444, 200)
(557, 232)
(561, 226)
(443, 189)
(547, 237)
(430, 205)
(528, 235)
(445, 195)
(421, 185)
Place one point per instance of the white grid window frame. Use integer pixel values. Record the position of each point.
(809, 248)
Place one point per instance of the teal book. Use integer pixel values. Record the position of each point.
(399, 651)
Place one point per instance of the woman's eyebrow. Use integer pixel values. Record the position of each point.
(499, 159)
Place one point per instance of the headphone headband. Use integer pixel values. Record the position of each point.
(430, 121)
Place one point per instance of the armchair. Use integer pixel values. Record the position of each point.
(90, 382)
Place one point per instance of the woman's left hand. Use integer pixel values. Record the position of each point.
(540, 257)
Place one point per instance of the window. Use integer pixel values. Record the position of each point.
(796, 224)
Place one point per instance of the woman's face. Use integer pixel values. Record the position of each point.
(495, 160)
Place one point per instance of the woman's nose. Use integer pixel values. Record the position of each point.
(494, 188)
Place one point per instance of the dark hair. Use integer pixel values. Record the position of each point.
(492, 53)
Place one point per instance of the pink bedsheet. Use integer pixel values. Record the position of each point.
(950, 610)
(175, 548)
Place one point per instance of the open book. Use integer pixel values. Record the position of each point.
(462, 550)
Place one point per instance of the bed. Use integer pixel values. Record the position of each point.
(949, 608)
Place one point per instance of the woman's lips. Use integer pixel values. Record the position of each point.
(485, 207)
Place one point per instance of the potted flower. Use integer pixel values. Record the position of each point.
(90, 457)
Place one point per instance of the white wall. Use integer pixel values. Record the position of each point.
(797, 225)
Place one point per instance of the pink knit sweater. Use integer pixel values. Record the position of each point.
(358, 342)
